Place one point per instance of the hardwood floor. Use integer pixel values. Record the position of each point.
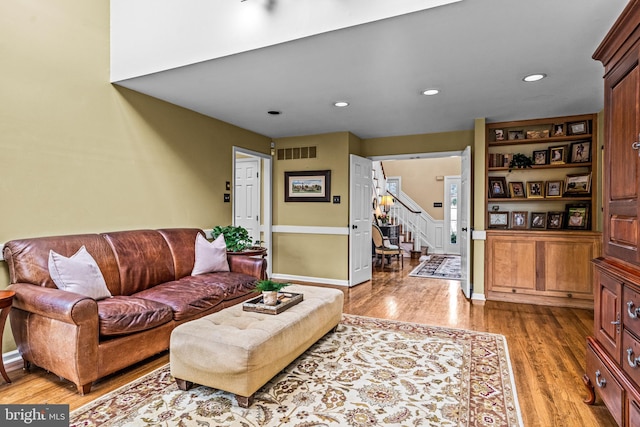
(546, 345)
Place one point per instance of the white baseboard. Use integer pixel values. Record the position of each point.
(323, 280)
(478, 299)
(12, 361)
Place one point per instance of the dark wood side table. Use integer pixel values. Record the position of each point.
(392, 232)
(6, 298)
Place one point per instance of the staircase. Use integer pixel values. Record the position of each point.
(417, 227)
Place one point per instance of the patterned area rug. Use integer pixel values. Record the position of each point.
(370, 372)
(439, 266)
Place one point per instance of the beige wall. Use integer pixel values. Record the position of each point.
(80, 155)
(424, 143)
(419, 180)
(310, 255)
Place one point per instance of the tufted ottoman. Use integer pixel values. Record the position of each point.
(239, 351)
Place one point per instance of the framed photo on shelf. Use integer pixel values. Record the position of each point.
(498, 187)
(554, 188)
(516, 190)
(555, 220)
(539, 220)
(540, 157)
(578, 128)
(580, 152)
(558, 129)
(578, 217)
(558, 155)
(577, 184)
(498, 219)
(307, 186)
(537, 134)
(499, 134)
(516, 134)
(519, 219)
(535, 189)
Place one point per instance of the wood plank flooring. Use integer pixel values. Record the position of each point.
(546, 345)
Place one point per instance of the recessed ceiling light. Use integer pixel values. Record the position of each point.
(341, 104)
(430, 92)
(274, 112)
(534, 77)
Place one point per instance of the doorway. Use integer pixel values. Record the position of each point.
(451, 215)
(461, 214)
(252, 196)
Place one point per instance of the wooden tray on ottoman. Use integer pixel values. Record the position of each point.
(286, 300)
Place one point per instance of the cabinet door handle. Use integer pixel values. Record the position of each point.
(600, 382)
(632, 362)
(632, 314)
(636, 145)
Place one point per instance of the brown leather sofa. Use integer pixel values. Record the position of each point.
(148, 272)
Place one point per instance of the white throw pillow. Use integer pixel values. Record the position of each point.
(210, 256)
(79, 273)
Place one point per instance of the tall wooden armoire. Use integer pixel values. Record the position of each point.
(613, 352)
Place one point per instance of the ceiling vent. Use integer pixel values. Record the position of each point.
(296, 153)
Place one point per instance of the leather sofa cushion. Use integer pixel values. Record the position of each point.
(187, 297)
(193, 295)
(235, 284)
(144, 259)
(28, 259)
(122, 315)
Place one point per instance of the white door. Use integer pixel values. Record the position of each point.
(451, 215)
(360, 214)
(247, 196)
(464, 213)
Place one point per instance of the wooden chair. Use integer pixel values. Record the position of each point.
(383, 248)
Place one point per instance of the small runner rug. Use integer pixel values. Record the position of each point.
(370, 372)
(439, 266)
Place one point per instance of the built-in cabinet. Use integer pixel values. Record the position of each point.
(547, 268)
(613, 352)
(540, 199)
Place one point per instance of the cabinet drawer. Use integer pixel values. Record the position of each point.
(606, 385)
(631, 317)
(631, 356)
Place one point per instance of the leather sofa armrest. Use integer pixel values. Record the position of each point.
(54, 303)
(256, 267)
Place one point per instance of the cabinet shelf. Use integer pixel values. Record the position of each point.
(539, 199)
(549, 140)
(538, 167)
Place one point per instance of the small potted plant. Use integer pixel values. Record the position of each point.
(236, 238)
(520, 161)
(269, 290)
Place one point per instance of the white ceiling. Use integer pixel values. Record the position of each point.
(475, 52)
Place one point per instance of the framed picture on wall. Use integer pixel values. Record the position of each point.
(307, 186)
